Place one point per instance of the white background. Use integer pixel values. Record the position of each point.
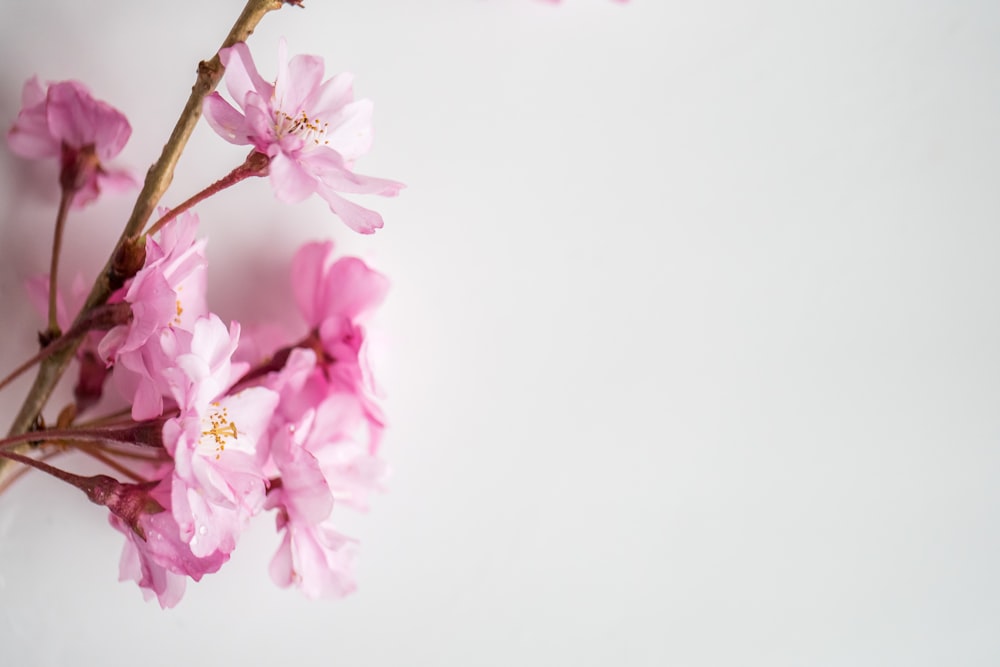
(695, 334)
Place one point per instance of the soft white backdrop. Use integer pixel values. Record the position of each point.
(695, 334)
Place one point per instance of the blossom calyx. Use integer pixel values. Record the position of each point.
(129, 502)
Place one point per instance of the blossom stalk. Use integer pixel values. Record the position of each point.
(146, 434)
(254, 165)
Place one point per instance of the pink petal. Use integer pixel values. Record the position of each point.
(358, 218)
(335, 93)
(354, 132)
(229, 123)
(241, 74)
(111, 130)
(32, 93)
(308, 269)
(353, 289)
(30, 136)
(290, 181)
(71, 118)
(304, 74)
(116, 180)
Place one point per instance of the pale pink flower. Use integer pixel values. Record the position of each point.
(64, 121)
(312, 131)
(342, 443)
(312, 555)
(156, 557)
(218, 482)
(197, 366)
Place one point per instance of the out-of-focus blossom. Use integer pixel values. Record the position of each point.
(336, 299)
(62, 120)
(312, 131)
(313, 555)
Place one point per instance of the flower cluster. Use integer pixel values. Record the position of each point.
(218, 428)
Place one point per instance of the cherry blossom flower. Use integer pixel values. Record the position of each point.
(155, 556)
(312, 131)
(168, 293)
(218, 482)
(337, 298)
(197, 367)
(62, 120)
(312, 555)
(321, 451)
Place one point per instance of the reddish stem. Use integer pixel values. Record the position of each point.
(255, 165)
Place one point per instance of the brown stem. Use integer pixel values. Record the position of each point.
(158, 178)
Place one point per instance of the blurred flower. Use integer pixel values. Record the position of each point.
(64, 121)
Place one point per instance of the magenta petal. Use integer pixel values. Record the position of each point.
(111, 131)
(71, 119)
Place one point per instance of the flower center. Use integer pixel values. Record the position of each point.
(312, 131)
(220, 429)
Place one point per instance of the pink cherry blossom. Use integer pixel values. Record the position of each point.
(218, 482)
(315, 557)
(62, 120)
(158, 560)
(312, 131)
(197, 367)
(167, 293)
(312, 555)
